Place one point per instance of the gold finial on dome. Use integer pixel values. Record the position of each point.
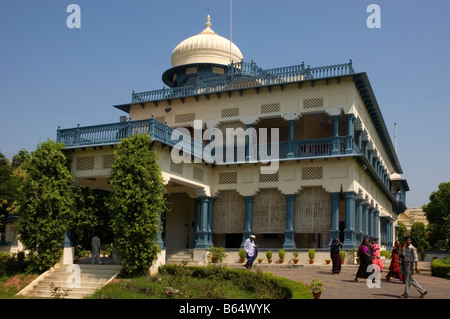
(208, 21)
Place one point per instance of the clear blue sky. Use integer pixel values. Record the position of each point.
(53, 76)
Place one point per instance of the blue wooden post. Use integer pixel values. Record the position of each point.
(359, 219)
(371, 220)
(334, 230)
(248, 200)
(289, 242)
(291, 139)
(365, 219)
(202, 233)
(349, 231)
(210, 221)
(335, 149)
(376, 223)
(350, 134)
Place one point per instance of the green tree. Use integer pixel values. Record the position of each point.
(419, 236)
(47, 205)
(9, 193)
(438, 216)
(402, 232)
(136, 203)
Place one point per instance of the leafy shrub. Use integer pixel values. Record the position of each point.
(385, 253)
(269, 254)
(282, 253)
(441, 268)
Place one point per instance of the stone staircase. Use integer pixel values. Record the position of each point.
(81, 279)
(179, 256)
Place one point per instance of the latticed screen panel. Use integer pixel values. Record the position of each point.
(161, 119)
(85, 163)
(263, 178)
(269, 212)
(312, 211)
(176, 168)
(313, 103)
(315, 172)
(230, 112)
(227, 178)
(228, 213)
(108, 160)
(183, 118)
(270, 108)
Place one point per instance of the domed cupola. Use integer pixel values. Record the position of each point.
(201, 56)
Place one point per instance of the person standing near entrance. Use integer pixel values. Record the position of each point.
(411, 261)
(95, 255)
(251, 251)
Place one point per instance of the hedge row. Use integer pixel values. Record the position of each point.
(441, 268)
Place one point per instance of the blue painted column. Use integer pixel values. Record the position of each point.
(248, 200)
(291, 139)
(376, 224)
(365, 219)
(349, 231)
(390, 244)
(359, 219)
(289, 242)
(334, 230)
(366, 151)
(336, 147)
(371, 220)
(210, 221)
(203, 238)
(350, 134)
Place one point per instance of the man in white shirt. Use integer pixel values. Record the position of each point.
(410, 263)
(251, 250)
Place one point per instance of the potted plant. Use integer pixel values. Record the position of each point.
(342, 256)
(311, 254)
(328, 260)
(260, 260)
(241, 255)
(217, 254)
(316, 288)
(269, 256)
(295, 259)
(281, 254)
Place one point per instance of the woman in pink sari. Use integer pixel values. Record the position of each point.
(376, 254)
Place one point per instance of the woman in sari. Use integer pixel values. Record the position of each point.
(336, 246)
(376, 254)
(394, 268)
(365, 257)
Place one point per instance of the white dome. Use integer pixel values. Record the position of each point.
(206, 47)
(396, 176)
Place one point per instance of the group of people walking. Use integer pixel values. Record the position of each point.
(404, 261)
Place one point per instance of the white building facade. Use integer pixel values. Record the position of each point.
(312, 158)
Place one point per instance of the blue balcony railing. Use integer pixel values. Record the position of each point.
(110, 134)
(243, 75)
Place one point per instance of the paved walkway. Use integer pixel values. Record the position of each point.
(343, 286)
